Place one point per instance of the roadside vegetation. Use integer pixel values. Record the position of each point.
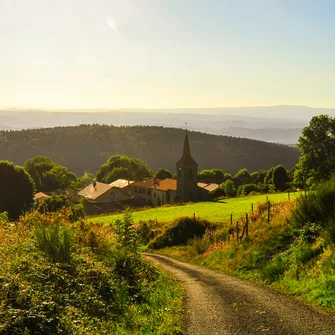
(78, 278)
(293, 253)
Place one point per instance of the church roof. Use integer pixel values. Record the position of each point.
(187, 159)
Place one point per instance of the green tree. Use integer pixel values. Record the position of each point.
(229, 188)
(211, 176)
(279, 177)
(37, 167)
(258, 176)
(118, 173)
(58, 178)
(16, 190)
(268, 177)
(82, 181)
(317, 148)
(242, 177)
(206, 176)
(163, 174)
(52, 204)
(48, 175)
(136, 169)
(227, 176)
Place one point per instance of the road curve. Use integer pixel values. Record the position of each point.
(218, 304)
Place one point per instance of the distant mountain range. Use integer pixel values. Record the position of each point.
(281, 124)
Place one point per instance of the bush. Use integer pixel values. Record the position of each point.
(280, 177)
(229, 188)
(274, 270)
(17, 190)
(318, 207)
(247, 189)
(180, 231)
(201, 244)
(52, 204)
(218, 192)
(126, 234)
(77, 212)
(55, 241)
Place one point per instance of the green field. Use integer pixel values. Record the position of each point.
(214, 211)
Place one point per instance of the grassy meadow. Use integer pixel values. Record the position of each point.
(216, 212)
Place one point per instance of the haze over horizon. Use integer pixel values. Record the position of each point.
(163, 54)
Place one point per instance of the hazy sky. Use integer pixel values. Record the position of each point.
(166, 53)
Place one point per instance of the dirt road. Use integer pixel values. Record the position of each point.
(220, 304)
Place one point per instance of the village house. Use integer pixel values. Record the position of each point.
(99, 192)
(40, 197)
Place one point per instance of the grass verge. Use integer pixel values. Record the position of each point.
(57, 277)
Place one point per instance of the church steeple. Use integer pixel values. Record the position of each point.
(187, 169)
(187, 149)
(186, 160)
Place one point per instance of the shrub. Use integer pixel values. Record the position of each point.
(77, 212)
(52, 204)
(17, 190)
(229, 188)
(126, 234)
(279, 177)
(201, 244)
(55, 241)
(179, 232)
(247, 189)
(218, 192)
(304, 253)
(318, 207)
(274, 270)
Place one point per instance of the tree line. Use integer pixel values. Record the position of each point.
(41, 173)
(85, 148)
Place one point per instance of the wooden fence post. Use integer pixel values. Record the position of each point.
(252, 208)
(269, 211)
(194, 217)
(237, 231)
(231, 219)
(288, 193)
(246, 225)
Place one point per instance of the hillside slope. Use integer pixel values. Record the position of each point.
(84, 148)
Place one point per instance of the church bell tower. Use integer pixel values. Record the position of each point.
(187, 175)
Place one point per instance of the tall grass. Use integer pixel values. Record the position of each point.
(55, 241)
(318, 207)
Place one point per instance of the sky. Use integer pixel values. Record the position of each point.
(166, 53)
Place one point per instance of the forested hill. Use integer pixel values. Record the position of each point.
(85, 148)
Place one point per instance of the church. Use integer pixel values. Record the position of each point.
(188, 188)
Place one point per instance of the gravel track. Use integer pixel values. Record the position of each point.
(219, 304)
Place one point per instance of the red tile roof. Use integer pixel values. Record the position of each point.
(166, 184)
(147, 183)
